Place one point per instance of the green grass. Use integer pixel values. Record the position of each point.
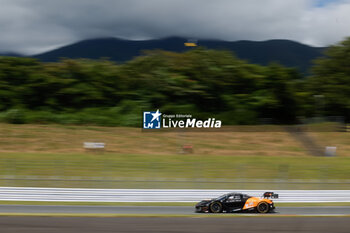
(172, 171)
(131, 166)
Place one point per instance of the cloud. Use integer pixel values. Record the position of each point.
(32, 26)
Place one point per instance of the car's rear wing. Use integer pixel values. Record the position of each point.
(270, 195)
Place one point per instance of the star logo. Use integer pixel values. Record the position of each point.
(156, 115)
(151, 120)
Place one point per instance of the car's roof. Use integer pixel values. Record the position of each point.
(237, 194)
(233, 193)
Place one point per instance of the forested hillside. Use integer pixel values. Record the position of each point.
(204, 83)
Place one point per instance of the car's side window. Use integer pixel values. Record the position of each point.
(237, 197)
(234, 198)
(230, 198)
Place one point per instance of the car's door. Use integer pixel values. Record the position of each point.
(233, 201)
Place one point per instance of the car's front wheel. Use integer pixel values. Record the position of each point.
(215, 207)
(263, 207)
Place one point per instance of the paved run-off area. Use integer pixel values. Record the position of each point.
(9, 224)
(163, 219)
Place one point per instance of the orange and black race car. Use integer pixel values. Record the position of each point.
(238, 202)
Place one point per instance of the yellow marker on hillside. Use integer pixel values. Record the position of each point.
(191, 43)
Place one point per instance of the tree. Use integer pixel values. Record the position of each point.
(331, 78)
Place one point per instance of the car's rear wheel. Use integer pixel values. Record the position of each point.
(263, 207)
(215, 207)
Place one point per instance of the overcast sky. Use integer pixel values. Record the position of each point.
(34, 26)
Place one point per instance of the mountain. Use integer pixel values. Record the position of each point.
(285, 52)
(113, 48)
(9, 54)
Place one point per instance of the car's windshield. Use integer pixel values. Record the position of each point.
(221, 197)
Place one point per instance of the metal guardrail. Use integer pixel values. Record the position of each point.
(159, 195)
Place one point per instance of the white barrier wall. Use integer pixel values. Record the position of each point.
(160, 195)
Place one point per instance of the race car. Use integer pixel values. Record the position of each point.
(237, 202)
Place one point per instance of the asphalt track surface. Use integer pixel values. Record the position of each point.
(12, 224)
(161, 210)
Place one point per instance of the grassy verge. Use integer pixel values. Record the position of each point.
(172, 171)
(53, 156)
(126, 140)
(136, 167)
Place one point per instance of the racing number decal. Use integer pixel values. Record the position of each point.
(249, 204)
